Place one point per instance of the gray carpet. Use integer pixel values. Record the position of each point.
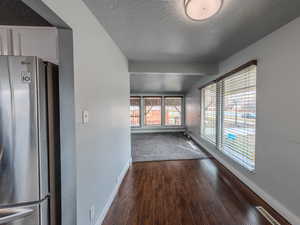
(164, 146)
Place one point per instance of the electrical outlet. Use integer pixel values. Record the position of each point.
(92, 215)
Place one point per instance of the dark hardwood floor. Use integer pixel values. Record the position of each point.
(187, 192)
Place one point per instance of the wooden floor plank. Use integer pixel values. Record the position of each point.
(187, 192)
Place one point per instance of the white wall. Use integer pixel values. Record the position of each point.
(101, 87)
(277, 176)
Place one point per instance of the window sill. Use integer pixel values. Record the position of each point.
(219, 155)
(159, 129)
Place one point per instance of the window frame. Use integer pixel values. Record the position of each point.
(202, 112)
(140, 111)
(220, 111)
(161, 112)
(182, 112)
(162, 126)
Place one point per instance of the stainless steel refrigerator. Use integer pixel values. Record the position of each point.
(24, 188)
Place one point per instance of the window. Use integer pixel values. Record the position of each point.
(230, 106)
(159, 111)
(239, 116)
(173, 111)
(152, 110)
(135, 111)
(209, 113)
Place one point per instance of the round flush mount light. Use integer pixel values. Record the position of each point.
(202, 9)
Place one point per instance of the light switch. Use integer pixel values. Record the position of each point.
(85, 116)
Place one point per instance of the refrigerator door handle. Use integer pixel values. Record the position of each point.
(11, 214)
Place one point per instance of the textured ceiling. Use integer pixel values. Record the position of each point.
(163, 83)
(15, 12)
(159, 31)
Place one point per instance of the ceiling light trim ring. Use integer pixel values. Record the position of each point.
(185, 6)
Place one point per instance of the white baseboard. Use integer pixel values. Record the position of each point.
(113, 194)
(292, 218)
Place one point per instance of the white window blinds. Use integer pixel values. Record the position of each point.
(209, 113)
(238, 116)
(228, 114)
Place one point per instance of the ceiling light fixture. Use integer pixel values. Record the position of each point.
(202, 9)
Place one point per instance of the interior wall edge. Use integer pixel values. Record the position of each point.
(67, 128)
(273, 202)
(39, 7)
(102, 144)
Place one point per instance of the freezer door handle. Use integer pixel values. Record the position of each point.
(11, 214)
